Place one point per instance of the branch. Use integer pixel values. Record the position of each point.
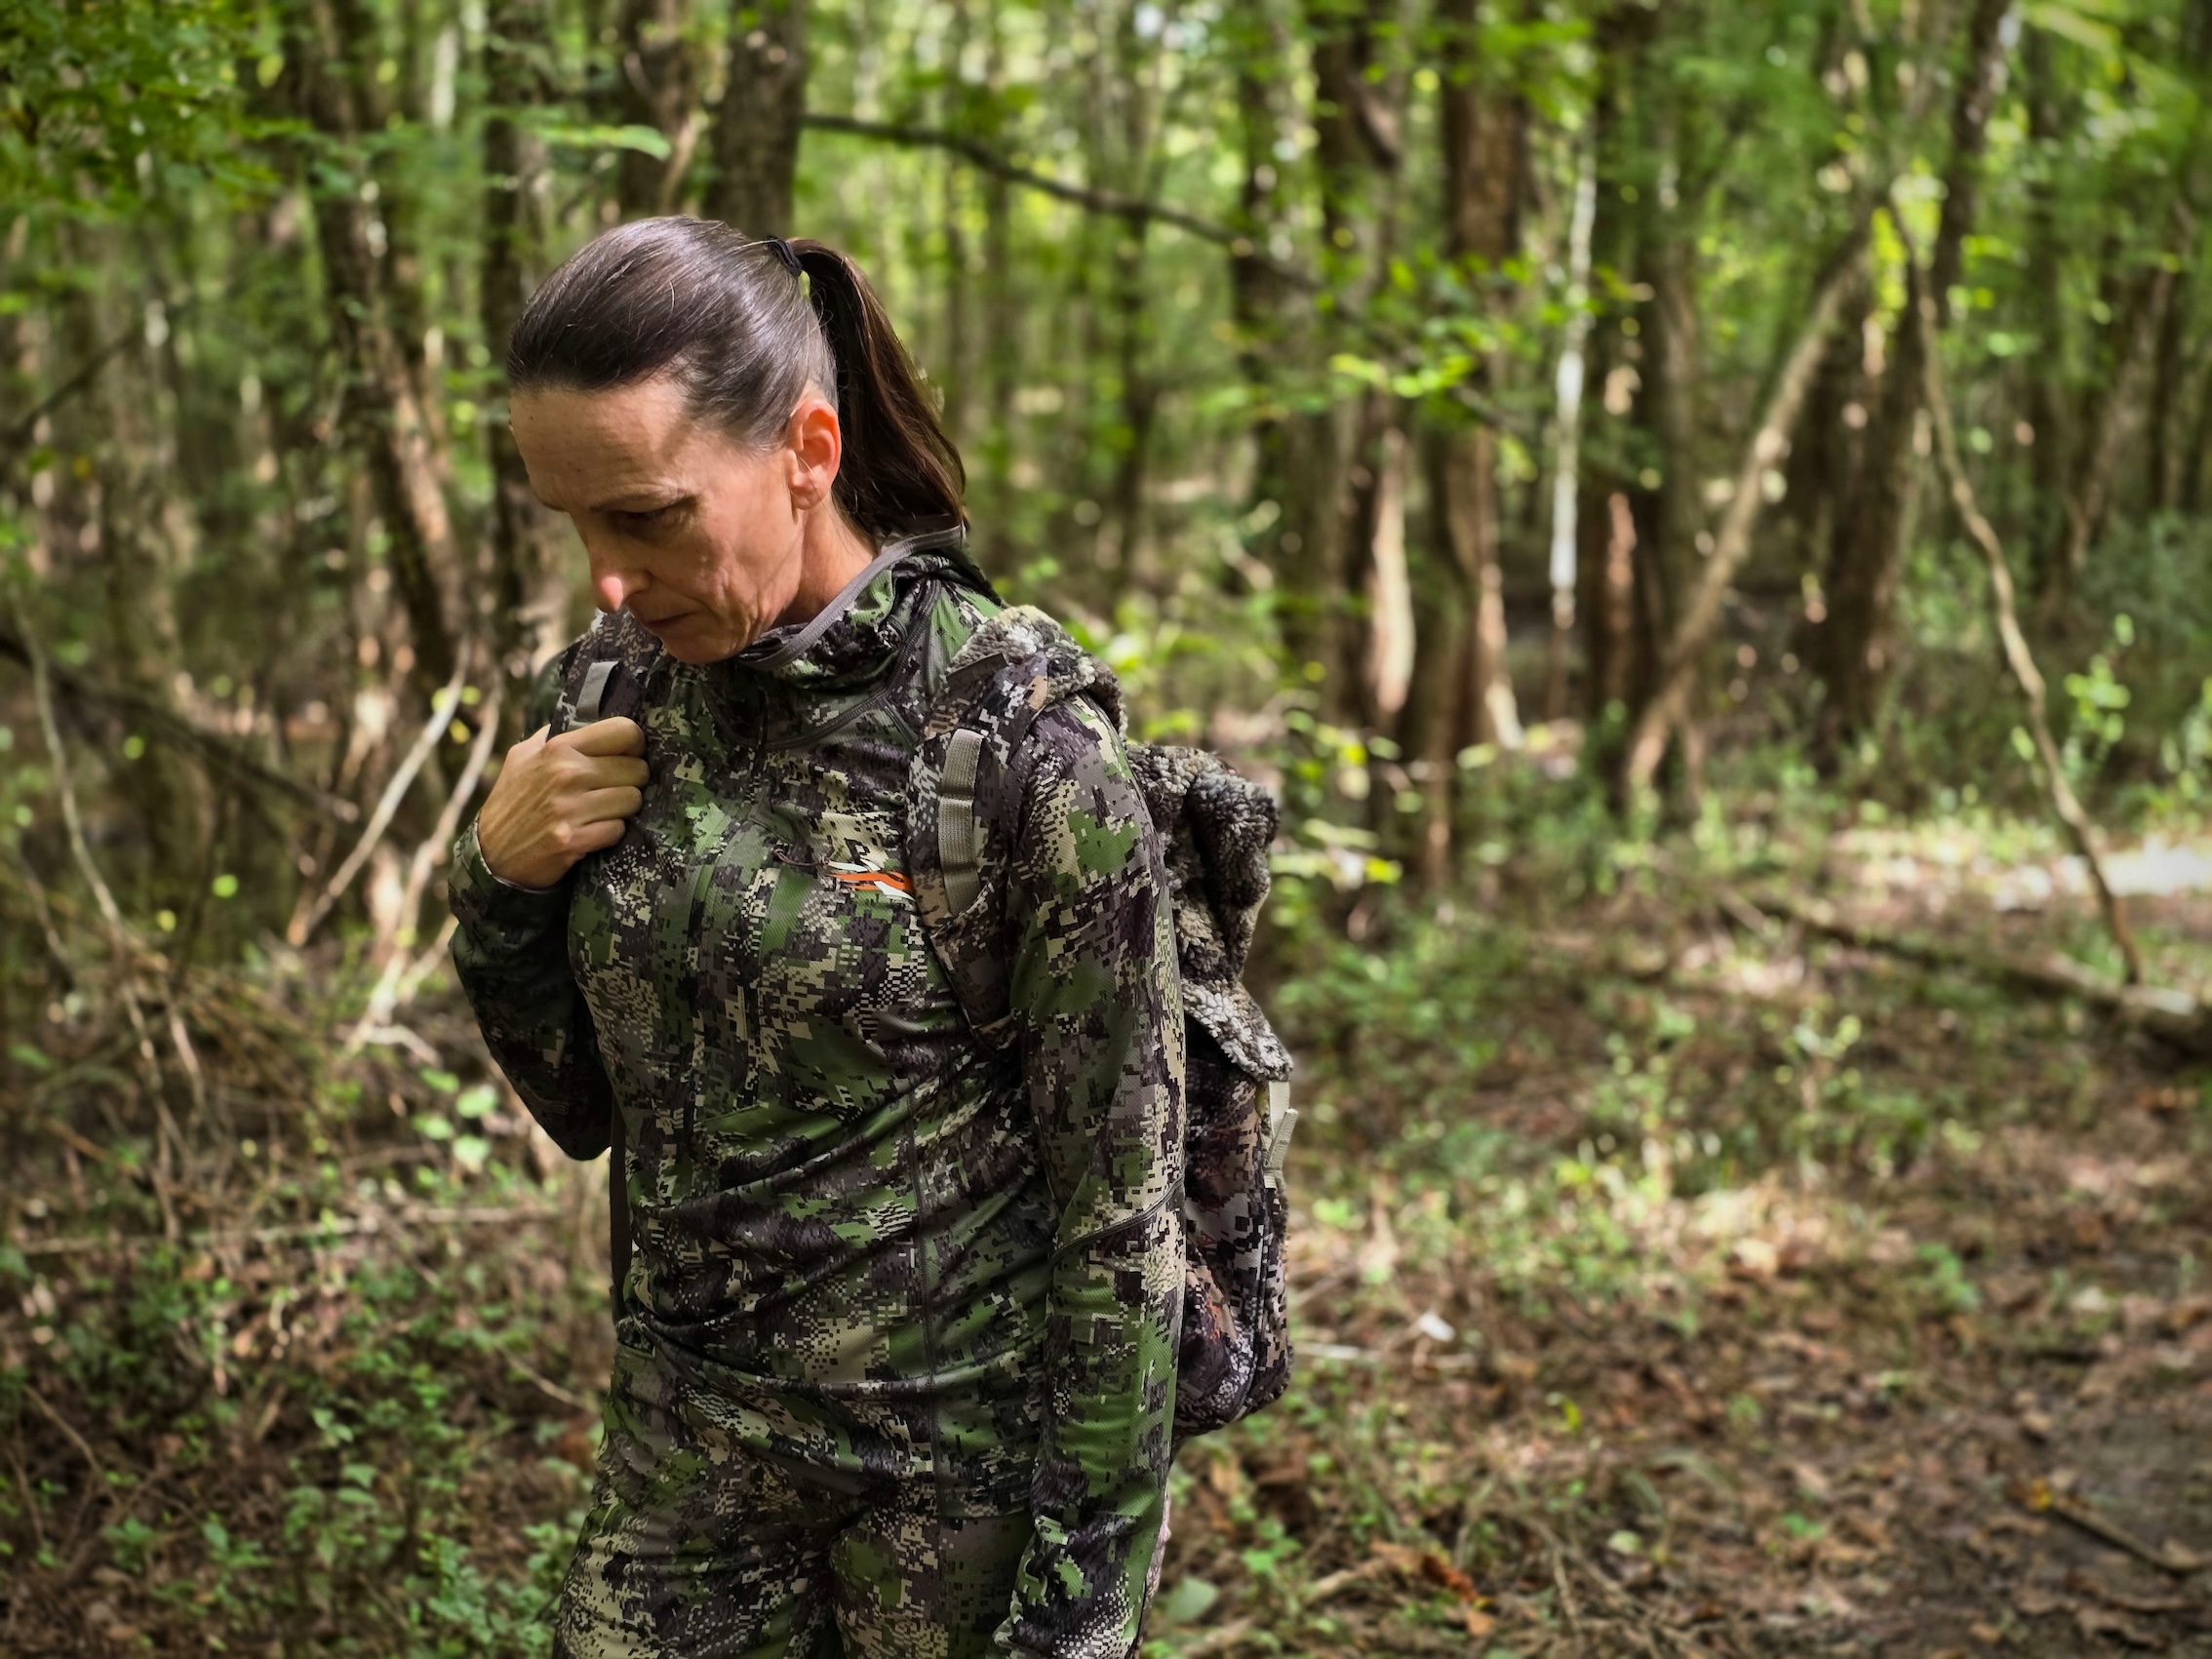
(2017, 655)
(1678, 673)
(123, 940)
(2172, 1017)
(392, 986)
(1136, 209)
(442, 707)
(18, 436)
(169, 725)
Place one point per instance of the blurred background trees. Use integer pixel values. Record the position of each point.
(1502, 424)
(1251, 321)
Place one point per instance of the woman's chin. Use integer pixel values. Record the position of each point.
(696, 640)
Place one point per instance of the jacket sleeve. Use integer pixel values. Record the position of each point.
(1098, 1024)
(511, 953)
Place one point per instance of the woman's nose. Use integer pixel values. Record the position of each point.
(612, 579)
(611, 588)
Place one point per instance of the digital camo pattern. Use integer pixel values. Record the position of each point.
(1214, 829)
(882, 1271)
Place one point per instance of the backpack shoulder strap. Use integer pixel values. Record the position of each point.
(1015, 665)
(606, 671)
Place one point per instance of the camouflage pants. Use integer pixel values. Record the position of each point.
(726, 1525)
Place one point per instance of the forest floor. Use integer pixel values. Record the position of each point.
(1667, 1281)
(1745, 1294)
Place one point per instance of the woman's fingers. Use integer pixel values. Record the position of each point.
(613, 735)
(593, 837)
(603, 804)
(561, 797)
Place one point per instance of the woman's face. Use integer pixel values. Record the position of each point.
(702, 539)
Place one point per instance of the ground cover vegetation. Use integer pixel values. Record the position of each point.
(1700, 509)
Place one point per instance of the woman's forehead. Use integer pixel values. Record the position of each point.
(581, 445)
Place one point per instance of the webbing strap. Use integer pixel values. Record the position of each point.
(1281, 1118)
(958, 855)
(594, 689)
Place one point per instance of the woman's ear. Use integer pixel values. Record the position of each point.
(817, 445)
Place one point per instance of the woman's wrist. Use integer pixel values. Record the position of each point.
(473, 865)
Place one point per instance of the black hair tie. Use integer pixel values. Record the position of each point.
(785, 252)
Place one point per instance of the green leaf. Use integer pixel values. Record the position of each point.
(644, 139)
(1189, 1599)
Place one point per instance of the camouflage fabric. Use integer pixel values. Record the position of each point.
(900, 1333)
(1214, 829)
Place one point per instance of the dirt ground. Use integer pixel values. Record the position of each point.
(1944, 1401)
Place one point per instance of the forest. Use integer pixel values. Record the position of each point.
(1700, 509)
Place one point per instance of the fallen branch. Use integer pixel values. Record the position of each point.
(2172, 1017)
(552, 1389)
(2038, 1496)
(1693, 630)
(1233, 1635)
(2064, 803)
(1226, 1640)
(68, 1433)
(18, 437)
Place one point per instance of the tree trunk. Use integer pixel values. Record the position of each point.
(2171, 373)
(1272, 339)
(2050, 116)
(1673, 369)
(1856, 649)
(2109, 424)
(655, 87)
(1358, 148)
(529, 610)
(1482, 124)
(764, 108)
(381, 402)
(1668, 711)
(1569, 388)
(1605, 517)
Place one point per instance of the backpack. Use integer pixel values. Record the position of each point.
(1215, 828)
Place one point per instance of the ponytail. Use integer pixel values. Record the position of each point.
(745, 325)
(900, 467)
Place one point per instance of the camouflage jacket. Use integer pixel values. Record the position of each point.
(912, 1255)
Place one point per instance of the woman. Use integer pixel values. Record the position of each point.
(895, 1368)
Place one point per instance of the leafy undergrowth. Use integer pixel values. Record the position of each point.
(284, 1379)
(1666, 1282)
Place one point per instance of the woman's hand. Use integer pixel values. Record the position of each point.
(559, 798)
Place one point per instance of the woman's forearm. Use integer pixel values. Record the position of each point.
(510, 951)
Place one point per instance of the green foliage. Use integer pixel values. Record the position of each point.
(107, 106)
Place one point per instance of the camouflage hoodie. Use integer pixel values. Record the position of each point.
(921, 1258)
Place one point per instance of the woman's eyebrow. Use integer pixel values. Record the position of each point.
(646, 501)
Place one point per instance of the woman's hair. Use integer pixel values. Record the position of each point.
(738, 330)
